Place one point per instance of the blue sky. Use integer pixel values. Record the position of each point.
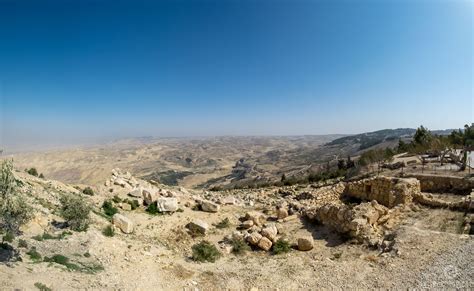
(75, 71)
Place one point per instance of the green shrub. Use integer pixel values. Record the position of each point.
(108, 231)
(42, 287)
(34, 255)
(205, 252)
(14, 211)
(116, 199)
(47, 236)
(22, 243)
(41, 176)
(63, 260)
(109, 208)
(33, 172)
(76, 211)
(225, 223)
(8, 237)
(239, 246)
(134, 204)
(153, 209)
(88, 191)
(281, 246)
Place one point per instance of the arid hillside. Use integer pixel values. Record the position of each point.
(383, 231)
(206, 162)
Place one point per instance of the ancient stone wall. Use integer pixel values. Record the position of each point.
(439, 184)
(388, 191)
(365, 222)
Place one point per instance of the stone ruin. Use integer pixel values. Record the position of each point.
(382, 198)
(369, 221)
(388, 191)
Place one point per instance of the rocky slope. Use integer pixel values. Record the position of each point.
(395, 246)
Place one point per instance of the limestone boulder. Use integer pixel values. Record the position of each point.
(121, 182)
(149, 197)
(209, 206)
(258, 218)
(247, 224)
(305, 243)
(265, 244)
(270, 232)
(137, 192)
(123, 223)
(198, 226)
(254, 238)
(167, 204)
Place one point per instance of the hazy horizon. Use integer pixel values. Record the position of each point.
(93, 71)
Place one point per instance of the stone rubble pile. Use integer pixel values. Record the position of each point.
(366, 222)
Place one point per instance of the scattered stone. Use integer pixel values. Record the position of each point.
(247, 224)
(121, 182)
(137, 192)
(265, 244)
(257, 217)
(209, 206)
(270, 232)
(149, 197)
(229, 200)
(167, 204)
(282, 213)
(198, 226)
(123, 223)
(305, 243)
(254, 238)
(126, 206)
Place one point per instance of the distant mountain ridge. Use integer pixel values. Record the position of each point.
(369, 139)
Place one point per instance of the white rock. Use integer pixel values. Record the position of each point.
(254, 238)
(137, 192)
(149, 197)
(265, 244)
(123, 223)
(209, 206)
(121, 182)
(229, 200)
(167, 204)
(270, 232)
(125, 206)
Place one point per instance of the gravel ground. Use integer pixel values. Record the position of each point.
(453, 269)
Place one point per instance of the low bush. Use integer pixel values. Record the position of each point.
(225, 223)
(239, 246)
(47, 236)
(134, 204)
(42, 287)
(281, 246)
(76, 211)
(8, 237)
(63, 260)
(88, 191)
(153, 209)
(205, 252)
(108, 231)
(14, 210)
(22, 243)
(34, 255)
(109, 208)
(33, 172)
(116, 199)
(41, 176)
